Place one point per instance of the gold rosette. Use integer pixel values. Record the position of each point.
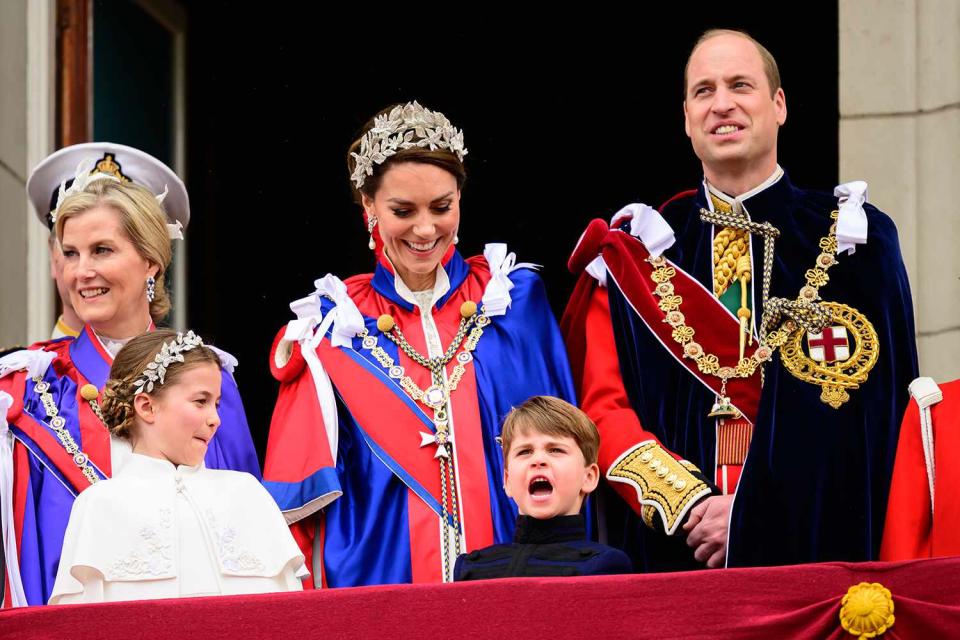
(866, 611)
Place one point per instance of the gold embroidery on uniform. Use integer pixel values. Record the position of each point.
(111, 167)
(660, 478)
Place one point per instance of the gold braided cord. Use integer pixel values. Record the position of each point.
(729, 245)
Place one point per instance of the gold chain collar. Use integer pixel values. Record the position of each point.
(436, 397)
(801, 311)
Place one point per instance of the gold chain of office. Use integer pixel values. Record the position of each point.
(804, 311)
(436, 397)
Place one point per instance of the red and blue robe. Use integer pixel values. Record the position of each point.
(815, 481)
(923, 515)
(380, 492)
(45, 478)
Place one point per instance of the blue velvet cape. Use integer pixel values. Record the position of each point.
(815, 483)
(50, 495)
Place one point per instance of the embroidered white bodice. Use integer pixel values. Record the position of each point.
(162, 531)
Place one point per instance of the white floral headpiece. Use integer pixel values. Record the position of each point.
(408, 127)
(89, 171)
(170, 352)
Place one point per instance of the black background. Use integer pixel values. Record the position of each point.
(566, 118)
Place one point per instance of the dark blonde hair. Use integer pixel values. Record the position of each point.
(446, 160)
(143, 221)
(554, 417)
(116, 405)
(770, 68)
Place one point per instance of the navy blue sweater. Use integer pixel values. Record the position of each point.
(553, 547)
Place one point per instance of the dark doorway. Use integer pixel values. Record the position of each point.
(566, 119)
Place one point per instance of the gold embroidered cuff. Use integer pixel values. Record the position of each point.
(665, 487)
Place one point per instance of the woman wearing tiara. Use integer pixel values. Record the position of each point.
(116, 240)
(165, 526)
(383, 449)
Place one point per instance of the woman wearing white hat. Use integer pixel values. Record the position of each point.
(115, 222)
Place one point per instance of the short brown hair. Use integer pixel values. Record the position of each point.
(770, 68)
(555, 417)
(142, 219)
(446, 160)
(116, 405)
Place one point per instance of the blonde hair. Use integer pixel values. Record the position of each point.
(116, 404)
(144, 224)
(770, 68)
(554, 417)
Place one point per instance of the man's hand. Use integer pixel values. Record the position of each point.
(707, 530)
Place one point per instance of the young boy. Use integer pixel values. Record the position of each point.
(550, 466)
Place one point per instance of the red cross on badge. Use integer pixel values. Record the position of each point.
(830, 346)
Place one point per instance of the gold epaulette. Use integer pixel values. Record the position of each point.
(664, 485)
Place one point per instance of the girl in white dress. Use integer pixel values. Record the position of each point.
(165, 526)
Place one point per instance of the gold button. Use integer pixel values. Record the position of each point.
(663, 471)
(385, 323)
(646, 456)
(680, 485)
(89, 392)
(468, 309)
(671, 478)
(655, 464)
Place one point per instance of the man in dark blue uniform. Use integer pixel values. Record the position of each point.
(757, 331)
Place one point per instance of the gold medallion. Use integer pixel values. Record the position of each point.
(839, 358)
(723, 409)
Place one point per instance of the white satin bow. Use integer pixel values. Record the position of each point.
(34, 361)
(852, 219)
(648, 225)
(344, 316)
(496, 297)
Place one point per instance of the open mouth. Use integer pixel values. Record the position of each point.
(88, 294)
(540, 487)
(421, 247)
(726, 129)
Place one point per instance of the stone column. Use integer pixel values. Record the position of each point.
(27, 45)
(900, 131)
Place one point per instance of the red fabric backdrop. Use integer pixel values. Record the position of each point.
(780, 602)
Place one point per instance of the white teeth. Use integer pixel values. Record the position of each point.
(90, 293)
(422, 247)
(727, 128)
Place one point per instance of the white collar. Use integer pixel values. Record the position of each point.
(441, 285)
(112, 346)
(736, 203)
(145, 466)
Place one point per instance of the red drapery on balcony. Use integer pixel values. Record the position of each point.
(780, 602)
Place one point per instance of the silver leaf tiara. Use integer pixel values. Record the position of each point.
(169, 353)
(408, 127)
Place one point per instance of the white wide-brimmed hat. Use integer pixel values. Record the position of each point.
(118, 160)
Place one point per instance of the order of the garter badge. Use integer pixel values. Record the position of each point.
(838, 358)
